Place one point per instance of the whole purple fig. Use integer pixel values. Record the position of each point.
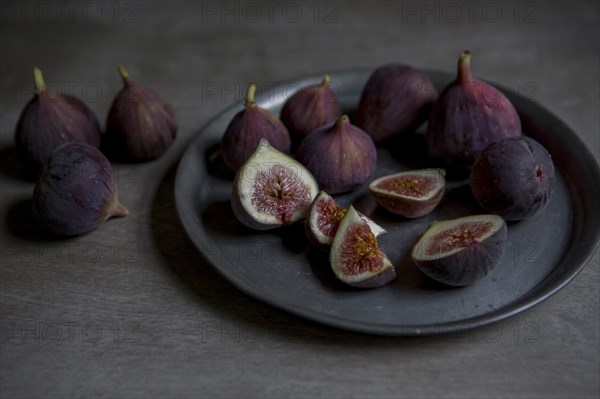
(397, 99)
(341, 156)
(513, 178)
(247, 128)
(468, 116)
(75, 191)
(49, 120)
(310, 108)
(140, 124)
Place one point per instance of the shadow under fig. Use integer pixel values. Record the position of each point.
(219, 217)
(320, 266)
(215, 165)
(11, 166)
(21, 223)
(458, 201)
(410, 150)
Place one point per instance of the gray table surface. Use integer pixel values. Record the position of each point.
(131, 309)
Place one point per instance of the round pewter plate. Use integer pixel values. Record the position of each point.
(280, 267)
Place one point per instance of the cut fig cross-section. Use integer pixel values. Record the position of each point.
(355, 256)
(411, 194)
(272, 189)
(324, 219)
(461, 251)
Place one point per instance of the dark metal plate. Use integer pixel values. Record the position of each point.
(280, 268)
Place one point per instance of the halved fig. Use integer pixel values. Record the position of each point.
(272, 189)
(324, 219)
(411, 194)
(461, 251)
(355, 256)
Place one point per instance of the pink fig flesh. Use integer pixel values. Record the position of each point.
(461, 251)
(324, 219)
(411, 194)
(355, 256)
(272, 189)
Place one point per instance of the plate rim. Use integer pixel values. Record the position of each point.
(545, 289)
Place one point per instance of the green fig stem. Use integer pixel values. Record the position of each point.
(326, 80)
(38, 80)
(123, 73)
(464, 67)
(343, 120)
(250, 100)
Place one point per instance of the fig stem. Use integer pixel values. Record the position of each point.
(38, 80)
(123, 72)
(464, 67)
(250, 100)
(326, 80)
(119, 211)
(343, 120)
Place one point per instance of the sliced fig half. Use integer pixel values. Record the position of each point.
(411, 194)
(272, 189)
(324, 219)
(461, 251)
(355, 256)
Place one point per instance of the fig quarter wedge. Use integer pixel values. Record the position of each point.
(355, 256)
(324, 220)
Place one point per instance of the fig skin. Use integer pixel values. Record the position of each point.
(140, 125)
(76, 191)
(247, 128)
(468, 115)
(50, 120)
(396, 100)
(318, 238)
(513, 178)
(263, 161)
(341, 156)
(310, 108)
(405, 204)
(471, 262)
(352, 223)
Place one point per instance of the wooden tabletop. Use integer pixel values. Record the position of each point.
(132, 310)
